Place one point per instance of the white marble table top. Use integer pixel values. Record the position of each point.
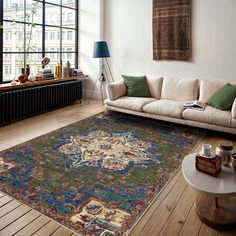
(224, 185)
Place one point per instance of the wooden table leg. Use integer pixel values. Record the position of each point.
(219, 216)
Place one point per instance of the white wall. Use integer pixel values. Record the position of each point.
(91, 25)
(128, 30)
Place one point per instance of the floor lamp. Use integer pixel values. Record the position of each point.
(101, 51)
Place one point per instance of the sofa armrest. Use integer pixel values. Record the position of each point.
(116, 90)
(233, 110)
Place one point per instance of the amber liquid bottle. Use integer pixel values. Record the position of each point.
(58, 71)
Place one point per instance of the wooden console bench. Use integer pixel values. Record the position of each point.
(26, 99)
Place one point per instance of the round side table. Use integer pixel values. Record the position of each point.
(215, 204)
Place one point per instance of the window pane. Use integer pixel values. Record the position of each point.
(14, 10)
(13, 37)
(52, 15)
(70, 35)
(68, 17)
(33, 12)
(52, 38)
(69, 3)
(33, 38)
(54, 58)
(54, 1)
(11, 66)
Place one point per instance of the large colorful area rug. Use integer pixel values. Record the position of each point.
(99, 175)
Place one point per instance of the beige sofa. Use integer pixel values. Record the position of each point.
(166, 103)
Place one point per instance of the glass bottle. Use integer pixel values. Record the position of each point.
(68, 68)
(27, 70)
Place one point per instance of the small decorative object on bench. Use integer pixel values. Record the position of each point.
(208, 162)
(23, 77)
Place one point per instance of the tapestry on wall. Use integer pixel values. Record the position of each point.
(172, 30)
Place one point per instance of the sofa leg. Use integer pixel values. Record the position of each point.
(108, 112)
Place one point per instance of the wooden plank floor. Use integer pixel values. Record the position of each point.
(172, 213)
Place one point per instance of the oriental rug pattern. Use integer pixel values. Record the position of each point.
(96, 176)
(172, 30)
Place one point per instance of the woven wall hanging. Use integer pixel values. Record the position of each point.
(172, 30)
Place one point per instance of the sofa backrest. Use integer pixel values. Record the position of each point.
(154, 86)
(208, 88)
(180, 89)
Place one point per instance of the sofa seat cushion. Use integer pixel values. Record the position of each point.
(210, 115)
(130, 103)
(165, 108)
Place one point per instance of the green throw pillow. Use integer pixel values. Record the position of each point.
(223, 98)
(136, 86)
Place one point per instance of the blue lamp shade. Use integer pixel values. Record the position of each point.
(100, 50)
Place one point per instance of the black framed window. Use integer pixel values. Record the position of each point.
(33, 29)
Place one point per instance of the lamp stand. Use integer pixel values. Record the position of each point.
(101, 78)
(109, 70)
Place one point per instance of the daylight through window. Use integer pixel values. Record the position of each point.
(33, 29)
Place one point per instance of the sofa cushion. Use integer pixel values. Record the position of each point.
(165, 108)
(223, 98)
(154, 86)
(130, 103)
(180, 89)
(136, 86)
(208, 88)
(210, 115)
(116, 90)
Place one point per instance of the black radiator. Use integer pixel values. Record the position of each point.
(24, 102)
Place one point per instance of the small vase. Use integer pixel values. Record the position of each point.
(27, 70)
(31, 77)
(23, 77)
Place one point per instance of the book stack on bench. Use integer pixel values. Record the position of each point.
(210, 165)
(46, 73)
